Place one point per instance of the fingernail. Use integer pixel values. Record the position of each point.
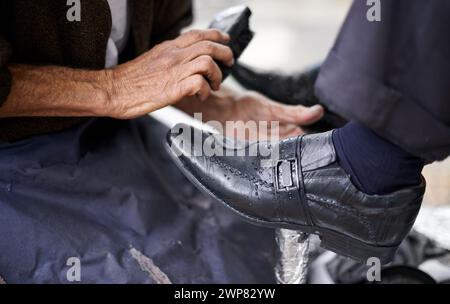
(316, 109)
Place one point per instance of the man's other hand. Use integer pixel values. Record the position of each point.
(252, 106)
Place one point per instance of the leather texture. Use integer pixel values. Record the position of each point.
(302, 187)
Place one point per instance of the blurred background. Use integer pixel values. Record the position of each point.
(292, 35)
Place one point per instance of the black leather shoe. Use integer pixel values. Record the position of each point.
(291, 90)
(303, 188)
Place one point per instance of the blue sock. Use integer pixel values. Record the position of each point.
(375, 165)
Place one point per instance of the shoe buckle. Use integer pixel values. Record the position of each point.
(286, 175)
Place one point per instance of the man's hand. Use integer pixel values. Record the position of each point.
(164, 75)
(169, 72)
(226, 105)
(252, 106)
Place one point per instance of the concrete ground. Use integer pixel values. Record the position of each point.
(292, 35)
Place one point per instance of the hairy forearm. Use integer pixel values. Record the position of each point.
(57, 91)
(163, 76)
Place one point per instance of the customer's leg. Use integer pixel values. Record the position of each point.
(300, 186)
(375, 165)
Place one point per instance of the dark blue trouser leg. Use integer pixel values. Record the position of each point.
(375, 165)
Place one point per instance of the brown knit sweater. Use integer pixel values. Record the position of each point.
(37, 32)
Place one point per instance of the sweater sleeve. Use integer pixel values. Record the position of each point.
(5, 52)
(5, 75)
(170, 18)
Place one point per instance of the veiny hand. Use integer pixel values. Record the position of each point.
(169, 72)
(252, 106)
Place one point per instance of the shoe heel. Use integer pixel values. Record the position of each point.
(357, 250)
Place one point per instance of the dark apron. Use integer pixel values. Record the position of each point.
(107, 193)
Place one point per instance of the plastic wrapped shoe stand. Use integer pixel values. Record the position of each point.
(293, 257)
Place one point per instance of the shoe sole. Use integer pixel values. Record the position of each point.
(329, 239)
